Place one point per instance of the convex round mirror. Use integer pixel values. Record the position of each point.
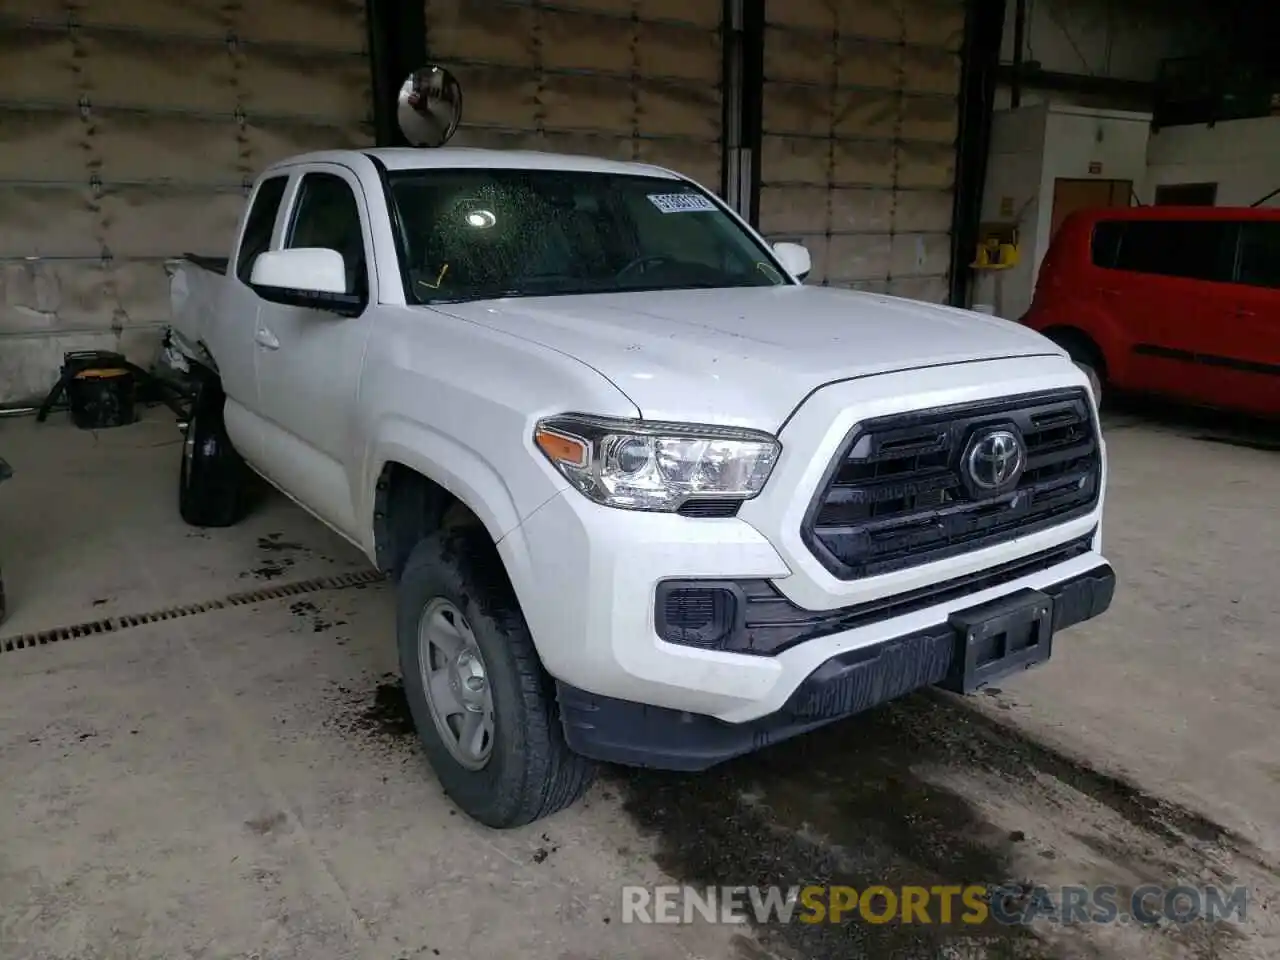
(429, 107)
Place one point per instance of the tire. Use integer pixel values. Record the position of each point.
(1095, 381)
(1086, 356)
(528, 771)
(212, 478)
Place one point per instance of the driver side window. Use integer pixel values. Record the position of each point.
(325, 214)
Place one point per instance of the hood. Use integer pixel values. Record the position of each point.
(749, 356)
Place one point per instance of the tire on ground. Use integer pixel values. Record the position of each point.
(1095, 381)
(211, 478)
(1085, 354)
(530, 772)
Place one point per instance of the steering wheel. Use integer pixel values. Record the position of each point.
(639, 263)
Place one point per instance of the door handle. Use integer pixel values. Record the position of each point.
(267, 339)
(1244, 314)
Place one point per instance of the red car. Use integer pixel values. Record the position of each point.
(1178, 301)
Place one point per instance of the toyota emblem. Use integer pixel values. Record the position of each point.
(995, 460)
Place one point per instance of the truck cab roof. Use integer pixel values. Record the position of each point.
(416, 158)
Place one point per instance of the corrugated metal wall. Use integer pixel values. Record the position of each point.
(128, 132)
(858, 158)
(631, 79)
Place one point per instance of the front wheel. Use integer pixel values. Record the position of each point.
(484, 708)
(1086, 356)
(1095, 381)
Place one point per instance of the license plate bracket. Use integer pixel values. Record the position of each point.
(999, 638)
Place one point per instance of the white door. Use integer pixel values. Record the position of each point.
(230, 337)
(309, 361)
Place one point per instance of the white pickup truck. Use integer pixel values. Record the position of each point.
(647, 498)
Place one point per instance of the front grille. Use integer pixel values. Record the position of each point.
(895, 495)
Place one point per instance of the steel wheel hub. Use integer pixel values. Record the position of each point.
(456, 683)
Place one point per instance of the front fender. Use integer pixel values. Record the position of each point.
(453, 465)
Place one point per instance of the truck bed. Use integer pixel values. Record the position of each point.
(195, 290)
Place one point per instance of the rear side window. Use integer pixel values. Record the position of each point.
(257, 231)
(1192, 249)
(1260, 254)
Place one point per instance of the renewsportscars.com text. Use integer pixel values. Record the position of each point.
(970, 905)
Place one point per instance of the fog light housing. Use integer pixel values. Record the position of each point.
(699, 613)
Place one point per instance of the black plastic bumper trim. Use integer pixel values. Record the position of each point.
(768, 623)
(620, 731)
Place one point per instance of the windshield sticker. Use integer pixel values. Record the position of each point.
(681, 202)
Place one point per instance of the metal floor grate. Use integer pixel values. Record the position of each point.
(28, 641)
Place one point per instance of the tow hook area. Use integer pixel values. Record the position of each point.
(1005, 636)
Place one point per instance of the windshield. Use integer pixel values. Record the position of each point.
(471, 234)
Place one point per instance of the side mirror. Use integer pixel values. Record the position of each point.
(311, 277)
(795, 258)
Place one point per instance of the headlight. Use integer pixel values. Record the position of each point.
(655, 466)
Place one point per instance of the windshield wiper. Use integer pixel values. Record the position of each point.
(585, 291)
(473, 297)
(689, 286)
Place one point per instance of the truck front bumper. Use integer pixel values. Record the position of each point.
(588, 579)
(621, 731)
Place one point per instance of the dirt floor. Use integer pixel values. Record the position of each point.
(205, 752)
